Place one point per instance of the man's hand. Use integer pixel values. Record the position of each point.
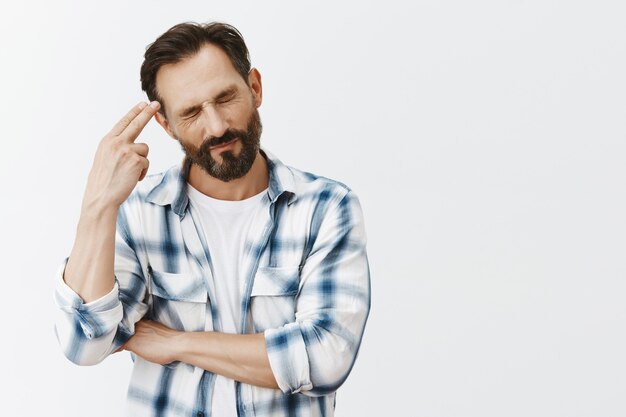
(152, 341)
(119, 162)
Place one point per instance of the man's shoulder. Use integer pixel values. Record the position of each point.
(306, 187)
(310, 186)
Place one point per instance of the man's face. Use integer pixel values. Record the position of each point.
(212, 112)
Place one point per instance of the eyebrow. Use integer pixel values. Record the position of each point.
(188, 111)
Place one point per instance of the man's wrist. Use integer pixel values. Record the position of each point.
(94, 209)
(179, 345)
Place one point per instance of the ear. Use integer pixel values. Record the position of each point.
(254, 81)
(160, 118)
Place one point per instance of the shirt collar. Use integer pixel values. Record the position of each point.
(172, 189)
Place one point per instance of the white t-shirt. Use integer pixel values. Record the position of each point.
(225, 225)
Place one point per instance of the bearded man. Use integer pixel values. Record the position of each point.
(239, 285)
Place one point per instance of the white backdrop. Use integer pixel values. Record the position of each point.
(486, 140)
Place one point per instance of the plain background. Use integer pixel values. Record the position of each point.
(486, 140)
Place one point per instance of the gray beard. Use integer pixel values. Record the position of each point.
(232, 166)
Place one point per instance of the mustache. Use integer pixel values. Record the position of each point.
(229, 135)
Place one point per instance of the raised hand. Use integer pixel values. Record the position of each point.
(119, 162)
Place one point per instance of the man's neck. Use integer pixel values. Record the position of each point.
(255, 181)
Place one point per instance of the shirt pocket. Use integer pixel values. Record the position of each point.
(178, 300)
(273, 296)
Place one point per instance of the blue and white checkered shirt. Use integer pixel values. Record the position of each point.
(306, 288)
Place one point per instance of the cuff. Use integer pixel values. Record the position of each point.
(288, 358)
(97, 317)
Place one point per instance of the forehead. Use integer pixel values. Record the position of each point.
(196, 79)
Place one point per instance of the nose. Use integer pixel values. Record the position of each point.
(215, 121)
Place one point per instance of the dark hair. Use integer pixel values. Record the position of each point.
(184, 40)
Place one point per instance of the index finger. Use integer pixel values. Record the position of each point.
(135, 120)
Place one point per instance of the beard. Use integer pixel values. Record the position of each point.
(232, 166)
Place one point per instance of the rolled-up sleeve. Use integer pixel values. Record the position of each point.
(86, 330)
(315, 354)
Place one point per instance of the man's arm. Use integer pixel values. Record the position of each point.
(91, 318)
(241, 357)
(118, 165)
(315, 354)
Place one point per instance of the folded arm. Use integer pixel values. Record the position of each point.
(241, 357)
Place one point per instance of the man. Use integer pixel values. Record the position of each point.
(239, 285)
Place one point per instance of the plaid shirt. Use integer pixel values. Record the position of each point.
(306, 288)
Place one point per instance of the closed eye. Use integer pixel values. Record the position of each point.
(192, 116)
(190, 112)
(223, 100)
(226, 96)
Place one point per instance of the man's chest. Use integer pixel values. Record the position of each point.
(182, 265)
